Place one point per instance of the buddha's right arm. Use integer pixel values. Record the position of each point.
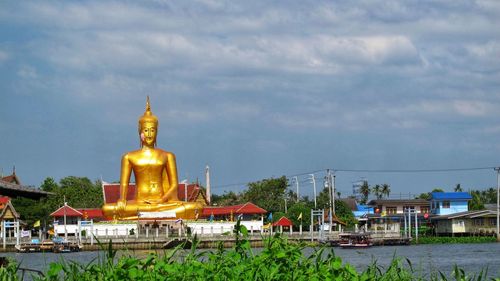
(125, 172)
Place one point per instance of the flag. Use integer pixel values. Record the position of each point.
(37, 224)
(300, 216)
(384, 214)
(270, 217)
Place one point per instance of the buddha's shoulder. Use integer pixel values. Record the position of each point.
(164, 152)
(131, 154)
(157, 151)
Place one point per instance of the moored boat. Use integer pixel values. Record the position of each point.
(355, 240)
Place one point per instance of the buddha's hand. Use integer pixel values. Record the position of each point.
(153, 201)
(120, 205)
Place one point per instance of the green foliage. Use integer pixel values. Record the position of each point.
(377, 191)
(267, 193)
(323, 199)
(49, 184)
(488, 196)
(455, 240)
(227, 199)
(295, 210)
(386, 189)
(427, 195)
(8, 272)
(79, 192)
(365, 192)
(344, 213)
(475, 203)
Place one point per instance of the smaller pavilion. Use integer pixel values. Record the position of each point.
(284, 223)
(73, 218)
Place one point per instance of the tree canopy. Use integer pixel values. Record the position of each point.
(79, 192)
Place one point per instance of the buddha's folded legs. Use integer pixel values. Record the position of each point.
(186, 210)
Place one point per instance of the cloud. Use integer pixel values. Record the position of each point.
(3, 56)
(27, 72)
(260, 69)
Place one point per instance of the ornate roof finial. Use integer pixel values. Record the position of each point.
(148, 106)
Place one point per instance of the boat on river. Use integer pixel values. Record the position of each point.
(355, 240)
(56, 245)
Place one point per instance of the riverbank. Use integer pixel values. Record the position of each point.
(454, 240)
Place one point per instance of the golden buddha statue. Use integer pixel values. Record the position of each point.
(155, 174)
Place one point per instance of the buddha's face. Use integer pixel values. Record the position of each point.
(148, 133)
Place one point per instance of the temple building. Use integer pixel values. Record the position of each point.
(12, 187)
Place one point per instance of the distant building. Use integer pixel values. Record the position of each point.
(356, 190)
(446, 203)
(73, 217)
(7, 211)
(11, 186)
(399, 206)
(481, 222)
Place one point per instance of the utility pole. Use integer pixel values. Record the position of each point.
(65, 229)
(313, 181)
(186, 189)
(328, 184)
(498, 203)
(332, 179)
(207, 183)
(296, 179)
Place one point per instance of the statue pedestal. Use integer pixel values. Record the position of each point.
(157, 215)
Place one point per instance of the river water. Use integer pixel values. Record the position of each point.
(426, 258)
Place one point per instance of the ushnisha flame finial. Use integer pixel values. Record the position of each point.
(148, 105)
(148, 116)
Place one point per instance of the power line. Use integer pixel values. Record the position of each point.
(415, 170)
(373, 171)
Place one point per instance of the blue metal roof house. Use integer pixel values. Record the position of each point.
(446, 203)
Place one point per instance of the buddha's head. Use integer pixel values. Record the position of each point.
(148, 126)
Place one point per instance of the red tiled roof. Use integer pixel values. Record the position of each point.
(193, 190)
(4, 199)
(70, 212)
(91, 213)
(11, 179)
(247, 208)
(283, 221)
(112, 192)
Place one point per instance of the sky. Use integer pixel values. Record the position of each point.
(255, 89)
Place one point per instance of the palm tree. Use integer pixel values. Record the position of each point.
(458, 188)
(386, 190)
(365, 191)
(377, 190)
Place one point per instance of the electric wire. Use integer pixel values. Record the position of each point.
(447, 170)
